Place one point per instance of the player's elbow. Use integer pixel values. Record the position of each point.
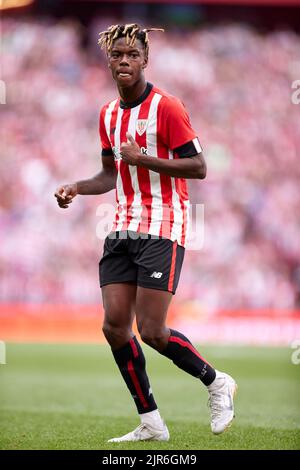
(200, 168)
(202, 172)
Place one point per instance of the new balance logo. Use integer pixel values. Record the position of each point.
(156, 275)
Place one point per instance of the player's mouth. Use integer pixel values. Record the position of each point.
(124, 74)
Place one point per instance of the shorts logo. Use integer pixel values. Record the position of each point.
(141, 125)
(156, 275)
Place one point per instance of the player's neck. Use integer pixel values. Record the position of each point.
(131, 94)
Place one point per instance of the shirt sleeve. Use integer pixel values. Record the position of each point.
(105, 142)
(176, 129)
(190, 149)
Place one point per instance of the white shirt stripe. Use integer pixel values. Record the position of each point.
(156, 207)
(136, 208)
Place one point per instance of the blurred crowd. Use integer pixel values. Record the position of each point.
(237, 87)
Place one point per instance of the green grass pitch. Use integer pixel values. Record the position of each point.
(73, 397)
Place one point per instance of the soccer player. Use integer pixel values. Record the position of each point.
(148, 150)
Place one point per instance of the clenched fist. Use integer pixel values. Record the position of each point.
(65, 194)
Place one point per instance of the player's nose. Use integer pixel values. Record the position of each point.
(124, 60)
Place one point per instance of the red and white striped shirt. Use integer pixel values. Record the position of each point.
(149, 202)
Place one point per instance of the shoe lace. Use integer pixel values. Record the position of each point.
(215, 404)
(139, 428)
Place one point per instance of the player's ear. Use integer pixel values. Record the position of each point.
(145, 62)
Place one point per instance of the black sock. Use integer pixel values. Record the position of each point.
(181, 351)
(131, 362)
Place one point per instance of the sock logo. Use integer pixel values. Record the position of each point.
(203, 371)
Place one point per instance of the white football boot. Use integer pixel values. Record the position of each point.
(145, 432)
(221, 394)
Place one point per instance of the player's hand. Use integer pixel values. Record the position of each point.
(130, 151)
(65, 194)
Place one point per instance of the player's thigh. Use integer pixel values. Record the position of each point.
(119, 304)
(115, 266)
(151, 308)
(159, 264)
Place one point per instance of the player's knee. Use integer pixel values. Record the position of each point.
(108, 331)
(155, 338)
(115, 335)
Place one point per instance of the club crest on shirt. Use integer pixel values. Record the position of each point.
(141, 125)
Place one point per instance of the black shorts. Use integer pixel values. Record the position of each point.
(141, 259)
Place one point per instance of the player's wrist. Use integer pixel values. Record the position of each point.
(142, 160)
(76, 188)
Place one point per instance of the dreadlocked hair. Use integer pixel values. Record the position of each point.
(131, 32)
